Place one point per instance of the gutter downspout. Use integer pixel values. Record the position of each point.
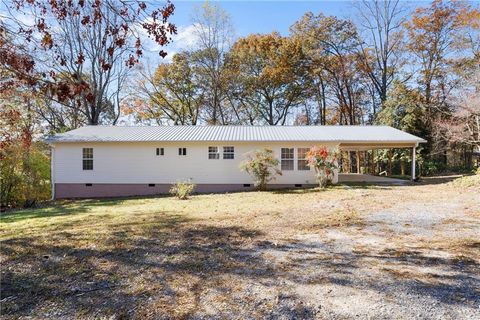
(52, 170)
(414, 155)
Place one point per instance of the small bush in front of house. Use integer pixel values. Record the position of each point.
(182, 190)
(262, 165)
(324, 162)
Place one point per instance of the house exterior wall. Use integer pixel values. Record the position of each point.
(126, 168)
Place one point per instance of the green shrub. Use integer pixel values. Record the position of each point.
(182, 190)
(433, 167)
(24, 175)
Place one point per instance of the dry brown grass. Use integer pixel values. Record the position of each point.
(150, 256)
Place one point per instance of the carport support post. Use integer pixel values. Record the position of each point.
(414, 153)
(358, 161)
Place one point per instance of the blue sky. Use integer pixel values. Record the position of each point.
(265, 16)
(258, 17)
(248, 16)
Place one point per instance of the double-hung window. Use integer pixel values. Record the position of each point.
(182, 151)
(160, 151)
(213, 153)
(287, 158)
(87, 157)
(228, 152)
(302, 162)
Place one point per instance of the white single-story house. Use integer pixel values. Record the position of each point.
(113, 161)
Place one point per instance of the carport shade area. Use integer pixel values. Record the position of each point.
(367, 146)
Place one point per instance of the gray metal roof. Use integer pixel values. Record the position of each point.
(352, 134)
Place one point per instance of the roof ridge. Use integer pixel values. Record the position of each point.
(236, 126)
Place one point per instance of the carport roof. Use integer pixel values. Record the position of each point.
(340, 134)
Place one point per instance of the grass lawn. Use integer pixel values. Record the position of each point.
(368, 251)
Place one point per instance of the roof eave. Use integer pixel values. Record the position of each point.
(53, 141)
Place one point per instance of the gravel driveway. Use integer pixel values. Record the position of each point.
(415, 259)
(411, 261)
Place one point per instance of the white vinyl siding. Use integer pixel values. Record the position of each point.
(127, 162)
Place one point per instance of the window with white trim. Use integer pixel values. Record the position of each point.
(182, 151)
(213, 153)
(87, 158)
(287, 156)
(160, 152)
(228, 152)
(302, 162)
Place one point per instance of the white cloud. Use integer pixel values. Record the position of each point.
(186, 38)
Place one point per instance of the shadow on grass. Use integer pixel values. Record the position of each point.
(118, 274)
(60, 208)
(405, 183)
(303, 190)
(437, 180)
(365, 185)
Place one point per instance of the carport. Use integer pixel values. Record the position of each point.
(386, 143)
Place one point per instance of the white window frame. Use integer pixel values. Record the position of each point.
(302, 160)
(229, 153)
(87, 157)
(213, 153)
(160, 151)
(182, 152)
(284, 159)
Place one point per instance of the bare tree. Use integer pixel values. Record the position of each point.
(82, 51)
(104, 70)
(462, 127)
(214, 32)
(380, 50)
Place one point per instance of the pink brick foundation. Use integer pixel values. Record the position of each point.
(106, 190)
